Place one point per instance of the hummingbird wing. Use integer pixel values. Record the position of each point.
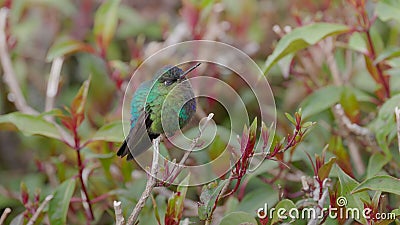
(138, 139)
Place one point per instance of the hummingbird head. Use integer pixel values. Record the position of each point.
(172, 74)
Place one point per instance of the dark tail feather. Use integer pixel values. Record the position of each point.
(137, 141)
(123, 150)
(133, 147)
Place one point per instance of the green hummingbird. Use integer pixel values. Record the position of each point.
(170, 94)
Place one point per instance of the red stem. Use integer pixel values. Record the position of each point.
(93, 201)
(372, 56)
(89, 211)
(366, 23)
(242, 189)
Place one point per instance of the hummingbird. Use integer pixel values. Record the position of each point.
(170, 94)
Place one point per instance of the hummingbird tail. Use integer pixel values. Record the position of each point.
(134, 145)
(124, 150)
(139, 138)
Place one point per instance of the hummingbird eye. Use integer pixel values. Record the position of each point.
(168, 82)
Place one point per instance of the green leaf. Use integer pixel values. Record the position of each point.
(357, 43)
(347, 184)
(175, 202)
(105, 22)
(217, 148)
(325, 169)
(238, 218)
(301, 38)
(395, 62)
(284, 204)
(31, 124)
(376, 162)
(386, 112)
(384, 125)
(388, 10)
(284, 64)
(66, 7)
(396, 211)
(321, 100)
(78, 104)
(18, 220)
(290, 118)
(208, 198)
(111, 132)
(350, 104)
(384, 183)
(58, 206)
(66, 46)
(133, 24)
(390, 53)
(257, 198)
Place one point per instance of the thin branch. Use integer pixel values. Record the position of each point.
(356, 129)
(85, 196)
(10, 77)
(4, 215)
(328, 48)
(397, 112)
(372, 56)
(321, 201)
(39, 210)
(151, 182)
(52, 84)
(352, 127)
(119, 218)
(178, 168)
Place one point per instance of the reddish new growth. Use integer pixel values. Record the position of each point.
(247, 143)
(293, 140)
(30, 206)
(280, 147)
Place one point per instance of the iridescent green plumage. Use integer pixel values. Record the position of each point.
(162, 105)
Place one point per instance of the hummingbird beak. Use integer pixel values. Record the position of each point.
(189, 70)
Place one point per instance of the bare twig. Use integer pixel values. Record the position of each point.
(356, 129)
(352, 127)
(321, 201)
(178, 168)
(10, 77)
(119, 218)
(151, 182)
(39, 210)
(328, 48)
(397, 112)
(52, 84)
(85, 196)
(355, 155)
(4, 215)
